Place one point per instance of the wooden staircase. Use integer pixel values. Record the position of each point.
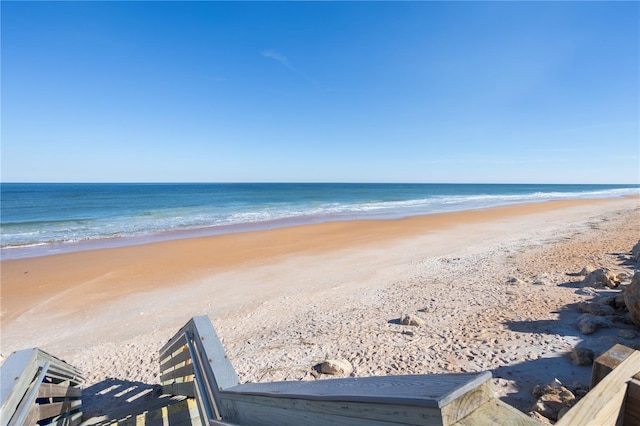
(200, 388)
(194, 364)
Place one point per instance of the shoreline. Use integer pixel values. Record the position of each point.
(56, 273)
(283, 300)
(51, 249)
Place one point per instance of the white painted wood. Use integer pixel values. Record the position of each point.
(16, 375)
(22, 378)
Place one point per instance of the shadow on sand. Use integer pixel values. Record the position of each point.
(117, 400)
(560, 366)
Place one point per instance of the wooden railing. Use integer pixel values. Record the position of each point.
(37, 387)
(193, 363)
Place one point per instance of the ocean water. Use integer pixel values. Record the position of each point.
(41, 219)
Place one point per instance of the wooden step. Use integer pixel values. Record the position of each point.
(163, 412)
(495, 412)
(436, 399)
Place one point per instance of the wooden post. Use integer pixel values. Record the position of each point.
(632, 402)
(608, 361)
(603, 405)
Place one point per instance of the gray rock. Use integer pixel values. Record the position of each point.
(600, 278)
(596, 309)
(411, 319)
(538, 391)
(553, 384)
(579, 389)
(586, 270)
(635, 252)
(589, 323)
(563, 411)
(515, 281)
(553, 400)
(539, 417)
(623, 276)
(336, 366)
(607, 300)
(632, 298)
(582, 356)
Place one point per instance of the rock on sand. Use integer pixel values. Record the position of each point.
(632, 298)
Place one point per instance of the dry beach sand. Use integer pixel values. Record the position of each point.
(284, 300)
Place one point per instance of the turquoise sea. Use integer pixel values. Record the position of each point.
(40, 219)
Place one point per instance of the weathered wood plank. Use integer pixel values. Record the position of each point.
(25, 410)
(495, 412)
(178, 373)
(30, 418)
(262, 411)
(606, 362)
(214, 368)
(49, 390)
(46, 411)
(175, 344)
(60, 370)
(392, 399)
(212, 351)
(602, 405)
(428, 390)
(16, 374)
(63, 377)
(241, 409)
(185, 389)
(180, 413)
(467, 403)
(632, 403)
(175, 360)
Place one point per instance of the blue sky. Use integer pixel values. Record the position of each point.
(538, 92)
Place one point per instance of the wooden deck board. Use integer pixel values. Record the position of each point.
(46, 411)
(251, 410)
(50, 390)
(495, 412)
(176, 359)
(178, 373)
(436, 399)
(428, 390)
(184, 389)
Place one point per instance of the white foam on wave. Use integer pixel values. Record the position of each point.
(230, 219)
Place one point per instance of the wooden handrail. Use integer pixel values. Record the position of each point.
(202, 392)
(210, 371)
(31, 378)
(207, 375)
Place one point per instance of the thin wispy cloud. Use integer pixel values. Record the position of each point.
(284, 61)
(272, 54)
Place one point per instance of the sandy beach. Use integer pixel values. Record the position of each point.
(283, 300)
